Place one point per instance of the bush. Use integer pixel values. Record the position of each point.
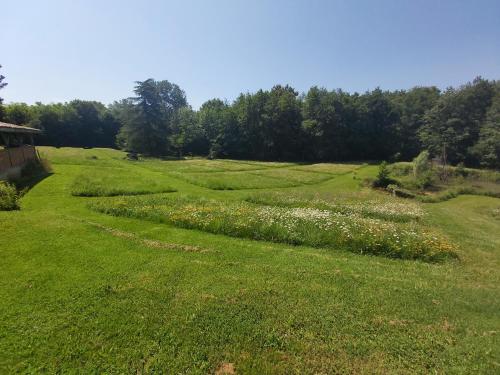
(401, 169)
(460, 170)
(421, 165)
(383, 178)
(425, 180)
(9, 197)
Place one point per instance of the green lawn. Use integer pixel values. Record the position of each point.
(86, 292)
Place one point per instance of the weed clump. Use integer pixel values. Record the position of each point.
(9, 197)
(107, 183)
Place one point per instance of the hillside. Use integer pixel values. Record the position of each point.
(199, 266)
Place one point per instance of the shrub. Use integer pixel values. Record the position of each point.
(421, 164)
(9, 197)
(383, 178)
(460, 170)
(401, 169)
(425, 180)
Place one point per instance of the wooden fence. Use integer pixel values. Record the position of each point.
(16, 156)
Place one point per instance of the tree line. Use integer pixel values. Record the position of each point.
(460, 125)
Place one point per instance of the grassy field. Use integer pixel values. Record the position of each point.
(191, 278)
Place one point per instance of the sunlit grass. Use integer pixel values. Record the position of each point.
(349, 229)
(86, 292)
(102, 157)
(295, 176)
(328, 168)
(202, 165)
(382, 207)
(102, 182)
(234, 180)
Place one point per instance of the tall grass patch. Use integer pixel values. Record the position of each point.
(234, 180)
(109, 182)
(440, 183)
(292, 225)
(201, 165)
(296, 176)
(383, 208)
(328, 168)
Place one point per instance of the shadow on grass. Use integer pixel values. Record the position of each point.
(26, 183)
(33, 173)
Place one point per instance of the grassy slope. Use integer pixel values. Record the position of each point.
(77, 297)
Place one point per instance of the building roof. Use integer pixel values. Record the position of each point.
(11, 128)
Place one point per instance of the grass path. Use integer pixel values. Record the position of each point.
(84, 292)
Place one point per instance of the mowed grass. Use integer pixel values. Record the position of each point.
(99, 157)
(86, 292)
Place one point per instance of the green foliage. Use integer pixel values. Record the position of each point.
(9, 197)
(187, 135)
(460, 170)
(304, 226)
(383, 177)
(487, 149)
(413, 105)
(148, 126)
(401, 169)
(421, 164)
(92, 293)
(235, 180)
(77, 123)
(458, 125)
(431, 187)
(487, 190)
(452, 125)
(386, 209)
(422, 171)
(18, 113)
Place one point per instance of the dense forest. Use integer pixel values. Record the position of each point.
(461, 125)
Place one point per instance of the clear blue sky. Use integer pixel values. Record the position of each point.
(61, 50)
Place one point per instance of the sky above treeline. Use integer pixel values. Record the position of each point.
(55, 51)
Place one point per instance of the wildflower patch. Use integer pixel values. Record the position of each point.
(311, 226)
(385, 209)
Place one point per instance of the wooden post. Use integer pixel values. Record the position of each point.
(10, 158)
(6, 139)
